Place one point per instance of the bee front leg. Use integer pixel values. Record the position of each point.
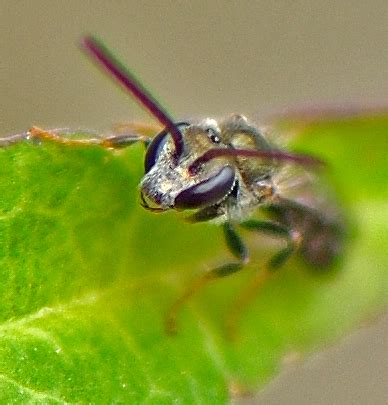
(112, 142)
(293, 240)
(136, 127)
(237, 248)
(12, 139)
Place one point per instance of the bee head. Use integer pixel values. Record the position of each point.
(191, 166)
(169, 183)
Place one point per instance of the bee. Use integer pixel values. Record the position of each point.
(225, 172)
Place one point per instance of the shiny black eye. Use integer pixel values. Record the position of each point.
(213, 136)
(207, 192)
(156, 146)
(153, 150)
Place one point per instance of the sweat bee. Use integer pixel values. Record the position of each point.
(225, 171)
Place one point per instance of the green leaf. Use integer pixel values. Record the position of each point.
(87, 277)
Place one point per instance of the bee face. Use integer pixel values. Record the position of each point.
(169, 183)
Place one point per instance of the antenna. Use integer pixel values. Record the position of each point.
(258, 154)
(127, 79)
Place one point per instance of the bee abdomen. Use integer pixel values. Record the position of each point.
(322, 237)
(323, 245)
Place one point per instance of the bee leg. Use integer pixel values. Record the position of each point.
(143, 128)
(126, 134)
(293, 240)
(111, 142)
(10, 140)
(123, 140)
(237, 248)
(205, 214)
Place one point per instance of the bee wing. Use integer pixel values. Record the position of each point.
(308, 187)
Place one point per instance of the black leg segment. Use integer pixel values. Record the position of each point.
(235, 243)
(292, 239)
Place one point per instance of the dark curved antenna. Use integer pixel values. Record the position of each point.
(100, 53)
(258, 154)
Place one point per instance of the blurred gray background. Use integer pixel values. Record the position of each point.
(210, 59)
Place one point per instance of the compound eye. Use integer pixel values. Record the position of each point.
(207, 192)
(154, 149)
(156, 146)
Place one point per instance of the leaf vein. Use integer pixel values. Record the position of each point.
(32, 392)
